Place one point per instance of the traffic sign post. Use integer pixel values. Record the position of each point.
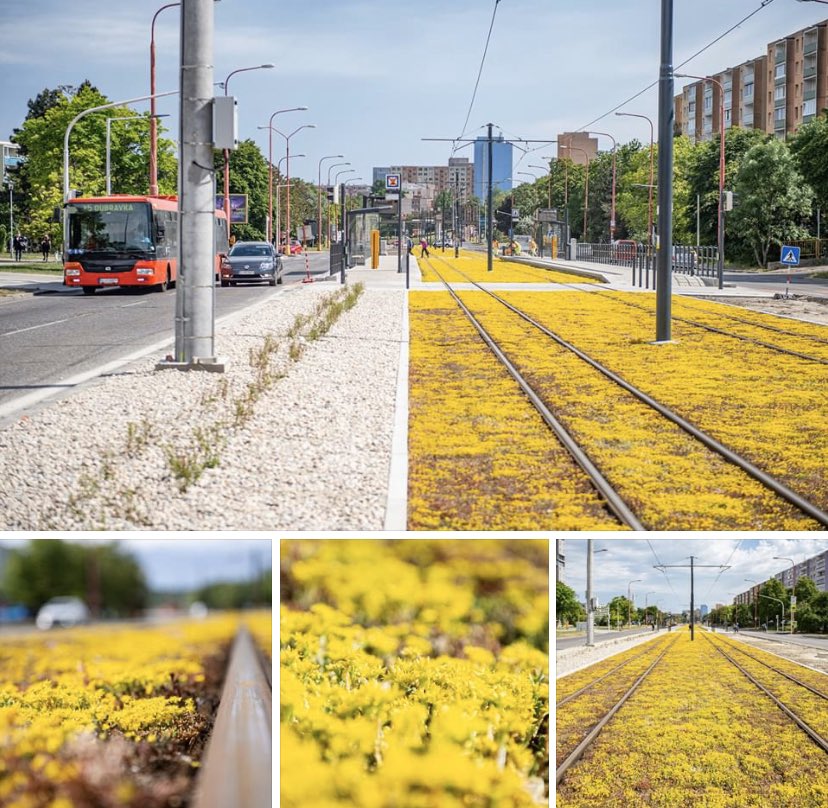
(789, 256)
(393, 186)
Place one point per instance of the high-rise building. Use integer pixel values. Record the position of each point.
(813, 568)
(560, 560)
(501, 166)
(777, 92)
(457, 177)
(578, 147)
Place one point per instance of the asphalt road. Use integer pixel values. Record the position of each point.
(601, 635)
(817, 641)
(52, 337)
(777, 282)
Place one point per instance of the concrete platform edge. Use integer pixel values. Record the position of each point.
(396, 511)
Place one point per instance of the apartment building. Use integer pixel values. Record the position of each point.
(9, 158)
(813, 568)
(457, 177)
(560, 559)
(777, 92)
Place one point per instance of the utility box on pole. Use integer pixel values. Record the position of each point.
(225, 122)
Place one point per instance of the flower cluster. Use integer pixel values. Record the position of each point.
(413, 672)
(67, 697)
(698, 733)
(474, 266)
(476, 446)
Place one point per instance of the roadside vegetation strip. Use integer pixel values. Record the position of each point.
(770, 412)
(109, 716)
(695, 733)
(670, 479)
(480, 457)
(414, 673)
(474, 265)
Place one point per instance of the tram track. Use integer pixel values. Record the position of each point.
(568, 757)
(614, 499)
(808, 695)
(238, 764)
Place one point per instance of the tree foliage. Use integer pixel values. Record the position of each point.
(106, 577)
(809, 147)
(773, 200)
(567, 607)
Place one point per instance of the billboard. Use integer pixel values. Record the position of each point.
(238, 207)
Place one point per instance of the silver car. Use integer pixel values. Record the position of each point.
(251, 262)
(63, 611)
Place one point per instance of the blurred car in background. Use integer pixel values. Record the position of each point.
(62, 611)
(251, 261)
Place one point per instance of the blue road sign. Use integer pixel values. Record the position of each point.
(790, 256)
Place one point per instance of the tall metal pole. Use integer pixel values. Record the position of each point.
(650, 200)
(195, 329)
(692, 601)
(590, 639)
(612, 197)
(489, 231)
(108, 159)
(666, 114)
(11, 218)
(319, 198)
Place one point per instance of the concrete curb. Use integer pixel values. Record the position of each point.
(396, 510)
(572, 660)
(557, 267)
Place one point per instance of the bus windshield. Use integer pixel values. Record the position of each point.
(107, 227)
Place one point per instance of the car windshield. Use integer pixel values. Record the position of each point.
(107, 227)
(250, 250)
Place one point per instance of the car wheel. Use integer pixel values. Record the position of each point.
(272, 282)
(225, 284)
(88, 290)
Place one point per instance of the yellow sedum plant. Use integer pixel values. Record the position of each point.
(433, 691)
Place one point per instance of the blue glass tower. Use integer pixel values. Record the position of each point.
(501, 166)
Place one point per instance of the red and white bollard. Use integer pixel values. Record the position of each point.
(308, 278)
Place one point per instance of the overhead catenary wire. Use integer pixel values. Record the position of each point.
(479, 74)
(689, 59)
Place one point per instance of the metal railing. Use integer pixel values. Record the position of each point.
(238, 763)
(641, 258)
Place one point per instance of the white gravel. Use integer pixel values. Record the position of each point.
(313, 455)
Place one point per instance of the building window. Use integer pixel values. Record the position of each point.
(779, 114)
(809, 107)
(779, 92)
(779, 72)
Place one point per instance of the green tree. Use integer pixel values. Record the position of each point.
(770, 595)
(813, 616)
(809, 147)
(249, 174)
(805, 590)
(567, 607)
(773, 199)
(620, 609)
(106, 577)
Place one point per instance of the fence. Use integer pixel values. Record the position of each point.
(641, 258)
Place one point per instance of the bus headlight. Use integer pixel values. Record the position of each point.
(72, 273)
(144, 271)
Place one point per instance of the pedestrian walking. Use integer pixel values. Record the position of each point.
(409, 245)
(46, 246)
(423, 248)
(18, 247)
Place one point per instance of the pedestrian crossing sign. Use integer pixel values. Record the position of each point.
(790, 256)
(392, 182)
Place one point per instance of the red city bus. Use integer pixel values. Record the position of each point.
(127, 241)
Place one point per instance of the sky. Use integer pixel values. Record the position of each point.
(626, 560)
(378, 76)
(170, 564)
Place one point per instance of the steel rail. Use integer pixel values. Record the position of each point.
(735, 647)
(612, 498)
(805, 727)
(601, 678)
(778, 487)
(237, 766)
(579, 750)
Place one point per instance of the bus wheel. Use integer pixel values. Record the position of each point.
(88, 290)
(164, 285)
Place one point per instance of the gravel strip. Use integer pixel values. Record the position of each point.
(578, 657)
(311, 452)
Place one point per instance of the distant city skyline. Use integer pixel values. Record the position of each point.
(171, 564)
(378, 78)
(617, 562)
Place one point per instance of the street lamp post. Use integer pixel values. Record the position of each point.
(270, 166)
(646, 596)
(11, 217)
(612, 197)
(319, 198)
(720, 213)
(224, 84)
(153, 168)
(132, 118)
(286, 186)
(781, 603)
(590, 600)
(287, 170)
(586, 186)
(755, 603)
(650, 202)
(629, 601)
(793, 564)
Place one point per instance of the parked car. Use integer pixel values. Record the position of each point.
(251, 261)
(295, 247)
(62, 611)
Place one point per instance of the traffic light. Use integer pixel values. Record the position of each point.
(329, 193)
